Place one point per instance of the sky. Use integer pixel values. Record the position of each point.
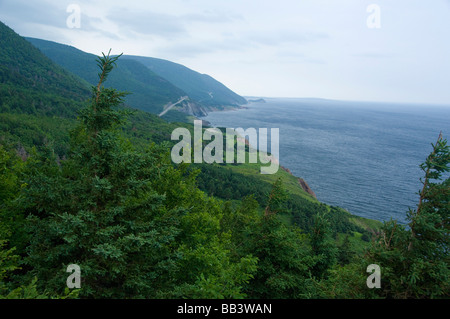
(367, 50)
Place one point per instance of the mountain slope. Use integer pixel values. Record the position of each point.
(201, 87)
(31, 83)
(150, 92)
(39, 100)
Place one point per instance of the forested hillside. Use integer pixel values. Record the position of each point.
(155, 83)
(32, 84)
(201, 87)
(150, 91)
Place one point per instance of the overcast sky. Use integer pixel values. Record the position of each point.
(336, 49)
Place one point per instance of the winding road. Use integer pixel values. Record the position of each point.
(172, 105)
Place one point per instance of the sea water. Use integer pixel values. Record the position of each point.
(361, 156)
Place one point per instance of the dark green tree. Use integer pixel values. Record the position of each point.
(136, 226)
(346, 252)
(283, 258)
(276, 199)
(323, 246)
(10, 168)
(11, 230)
(414, 259)
(98, 208)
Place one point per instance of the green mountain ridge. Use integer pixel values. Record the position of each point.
(32, 84)
(150, 92)
(155, 84)
(201, 87)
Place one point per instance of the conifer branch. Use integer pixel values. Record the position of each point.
(430, 160)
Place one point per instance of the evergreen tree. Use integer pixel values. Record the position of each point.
(10, 167)
(135, 225)
(283, 260)
(97, 209)
(323, 246)
(414, 260)
(345, 251)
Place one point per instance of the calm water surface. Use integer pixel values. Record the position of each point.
(361, 156)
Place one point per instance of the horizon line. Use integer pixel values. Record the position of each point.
(447, 104)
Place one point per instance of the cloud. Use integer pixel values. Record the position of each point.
(239, 42)
(163, 25)
(29, 12)
(185, 33)
(281, 37)
(149, 23)
(48, 20)
(249, 38)
(372, 55)
(190, 48)
(210, 17)
(290, 56)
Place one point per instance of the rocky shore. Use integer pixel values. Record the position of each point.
(302, 183)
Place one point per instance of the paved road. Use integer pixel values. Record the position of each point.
(170, 106)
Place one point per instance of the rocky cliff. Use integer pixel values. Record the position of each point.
(302, 183)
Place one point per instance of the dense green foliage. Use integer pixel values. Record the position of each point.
(416, 257)
(129, 219)
(150, 91)
(32, 84)
(224, 183)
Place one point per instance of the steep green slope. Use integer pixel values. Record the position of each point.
(150, 92)
(235, 181)
(39, 99)
(201, 87)
(32, 84)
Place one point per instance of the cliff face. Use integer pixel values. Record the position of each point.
(302, 183)
(306, 187)
(193, 108)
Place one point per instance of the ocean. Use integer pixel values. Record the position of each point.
(361, 156)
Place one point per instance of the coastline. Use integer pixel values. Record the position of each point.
(227, 108)
(301, 182)
(370, 224)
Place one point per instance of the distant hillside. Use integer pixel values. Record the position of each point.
(200, 87)
(150, 92)
(32, 84)
(155, 83)
(39, 100)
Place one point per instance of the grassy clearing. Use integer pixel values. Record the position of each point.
(290, 182)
